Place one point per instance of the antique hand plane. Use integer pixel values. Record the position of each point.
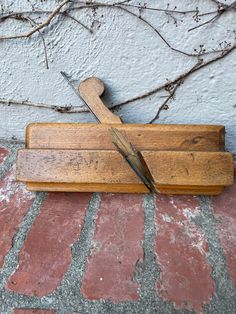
(112, 156)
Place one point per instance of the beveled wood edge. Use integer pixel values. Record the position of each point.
(216, 127)
(146, 151)
(174, 127)
(122, 188)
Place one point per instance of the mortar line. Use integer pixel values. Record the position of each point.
(225, 290)
(81, 249)
(150, 265)
(10, 160)
(67, 298)
(12, 257)
(19, 301)
(59, 299)
(151, 269)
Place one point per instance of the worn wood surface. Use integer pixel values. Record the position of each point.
(133, 158)
(90, 91)
(190, 168)
(143, 137)
(121, 188)
(107, 171)
(177, 159)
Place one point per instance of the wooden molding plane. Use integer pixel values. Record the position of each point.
(77, 157)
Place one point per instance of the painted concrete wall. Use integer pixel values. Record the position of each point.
(128, 56)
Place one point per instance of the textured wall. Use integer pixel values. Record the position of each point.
(128, 56)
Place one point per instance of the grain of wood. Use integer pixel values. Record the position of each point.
(122, 188)
(143, 137)
(133, 158)
(103, 169)
(190, 168)
(90, 91)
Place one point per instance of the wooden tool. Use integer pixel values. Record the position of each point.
(90, 90)
(170, 159)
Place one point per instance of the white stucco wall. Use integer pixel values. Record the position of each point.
(128, 56)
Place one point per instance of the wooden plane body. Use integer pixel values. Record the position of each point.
(125, 158)
(73, 157)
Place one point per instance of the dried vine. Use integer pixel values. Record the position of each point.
(66, 8)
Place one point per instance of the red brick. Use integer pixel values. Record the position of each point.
(46, 253)
(4, 152)
(15, 201)
(33, 311)
(117, 248)
(181, 249)
(224, 207)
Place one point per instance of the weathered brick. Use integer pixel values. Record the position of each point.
(224, 207)
(15, 201)
(181, 249)
(117, 248)
(46, 253)
(33, 311)
(4, 152)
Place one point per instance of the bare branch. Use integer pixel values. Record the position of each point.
(181, 77)
(77, 21)
(214, 18)
(176, 82)
(93, 5)
(40, 26)
(120, 7)
(222, 8)
(197, 67)
(126, 7)
(49, 19)
(164, 106)
(57, 108)
(145, 7)
(43, 41)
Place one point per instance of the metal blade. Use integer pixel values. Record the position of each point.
(65, 76)
(134, 159)
(125, 148)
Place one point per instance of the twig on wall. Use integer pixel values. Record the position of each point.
(203, 58)
(180, 77)
(175, 83)
(77, 21)
(57, 108)
(43, 41)
(222, 9)
(94, 5)
(40, 26)
(179, 82)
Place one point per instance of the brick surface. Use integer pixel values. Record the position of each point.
(33, 311)
(117, 248)
(181, 249)
(224, 207)
(4, 152)
(180, 246)
(46, 253)
(15, 201)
